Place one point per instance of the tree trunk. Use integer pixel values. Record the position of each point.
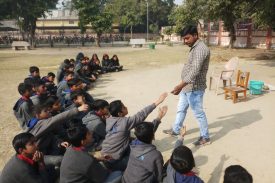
(232, 34)
(131, 32)
(124, 30)
(32, 32)
(98, 39)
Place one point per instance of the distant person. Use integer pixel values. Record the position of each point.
(115, 63)
(237, 174)
(192, 85)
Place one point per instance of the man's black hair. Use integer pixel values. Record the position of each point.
(21, 140)
(145, 132)
(51, 100)
(51, 74)
(190, 29)
(182, 160)
(99, 104)
(22, 88)
(38, 82)
(237, 174)
(67, 61)
(67, 73)
(33, 69)
(77, 134)
(73, 82)
(115, 107)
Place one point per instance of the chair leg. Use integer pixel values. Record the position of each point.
(210, 83)
(224, 83)
(217, 87)
(230, 82)
(235, 96)
(244, 94)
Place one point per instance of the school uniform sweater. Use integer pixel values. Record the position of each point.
(144, 165)
(23, 111)
(118, 130)
(44, 129)
(19, 171)
(62, 86)
(78, 166)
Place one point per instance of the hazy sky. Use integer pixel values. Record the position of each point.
(178, 1)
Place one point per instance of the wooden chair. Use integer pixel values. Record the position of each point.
(240, 87)
(224, 74)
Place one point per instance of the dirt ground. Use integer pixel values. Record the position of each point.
(241, 133)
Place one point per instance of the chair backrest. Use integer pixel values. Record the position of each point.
(232, 64)
(242, 79)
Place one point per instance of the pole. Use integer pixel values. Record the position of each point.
(147, 20)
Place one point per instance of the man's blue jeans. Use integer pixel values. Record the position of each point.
(193, 99)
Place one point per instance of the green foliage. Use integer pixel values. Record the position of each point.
(188, 14)
(168, 30)
(94, 13)
(263, 13)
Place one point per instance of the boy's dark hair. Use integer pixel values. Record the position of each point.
(51, 100)
(190, 29)
(39, 108)
(67, 73)
(115, 107)
(51, 74)
(74, 94)
(182, 159)
(73, 82)
(38, 82)
(145, 132)
(33, 69)
(67, 61)
(68, 66)
(21, 140)
(99, 104)
(79, 56)
(77, 134)
(22, 88)
(237, 174)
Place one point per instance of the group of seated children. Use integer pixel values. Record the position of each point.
(70, 137)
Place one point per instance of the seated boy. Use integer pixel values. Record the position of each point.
(181, 164)
(78, 99)
(95, 121)
(43, 127)
(237, 174)
(23, 108)
(62, 86)
(79, 166)
(116, 143)
(41, 94)
(49, 83)
(145, 162)
(27, 165)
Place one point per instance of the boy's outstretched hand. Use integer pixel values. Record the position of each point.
(83, 107)
(183, 131)
(162, 112)
(161, 98)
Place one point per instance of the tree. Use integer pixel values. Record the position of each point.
(263, 13)
(94, 13)
(26, 12)
(168, 31)
(126, 13)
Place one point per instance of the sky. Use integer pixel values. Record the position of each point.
(178, 1)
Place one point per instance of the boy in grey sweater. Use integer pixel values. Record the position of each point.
(115, 147)
(145, 162)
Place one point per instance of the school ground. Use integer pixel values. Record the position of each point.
(241, 133)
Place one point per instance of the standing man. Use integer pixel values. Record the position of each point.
(192, 86)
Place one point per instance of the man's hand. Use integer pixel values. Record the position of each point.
(38, 157)
(162, 97)
(178, 88)
(83, 107)
(162, 112)
(183, 131)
